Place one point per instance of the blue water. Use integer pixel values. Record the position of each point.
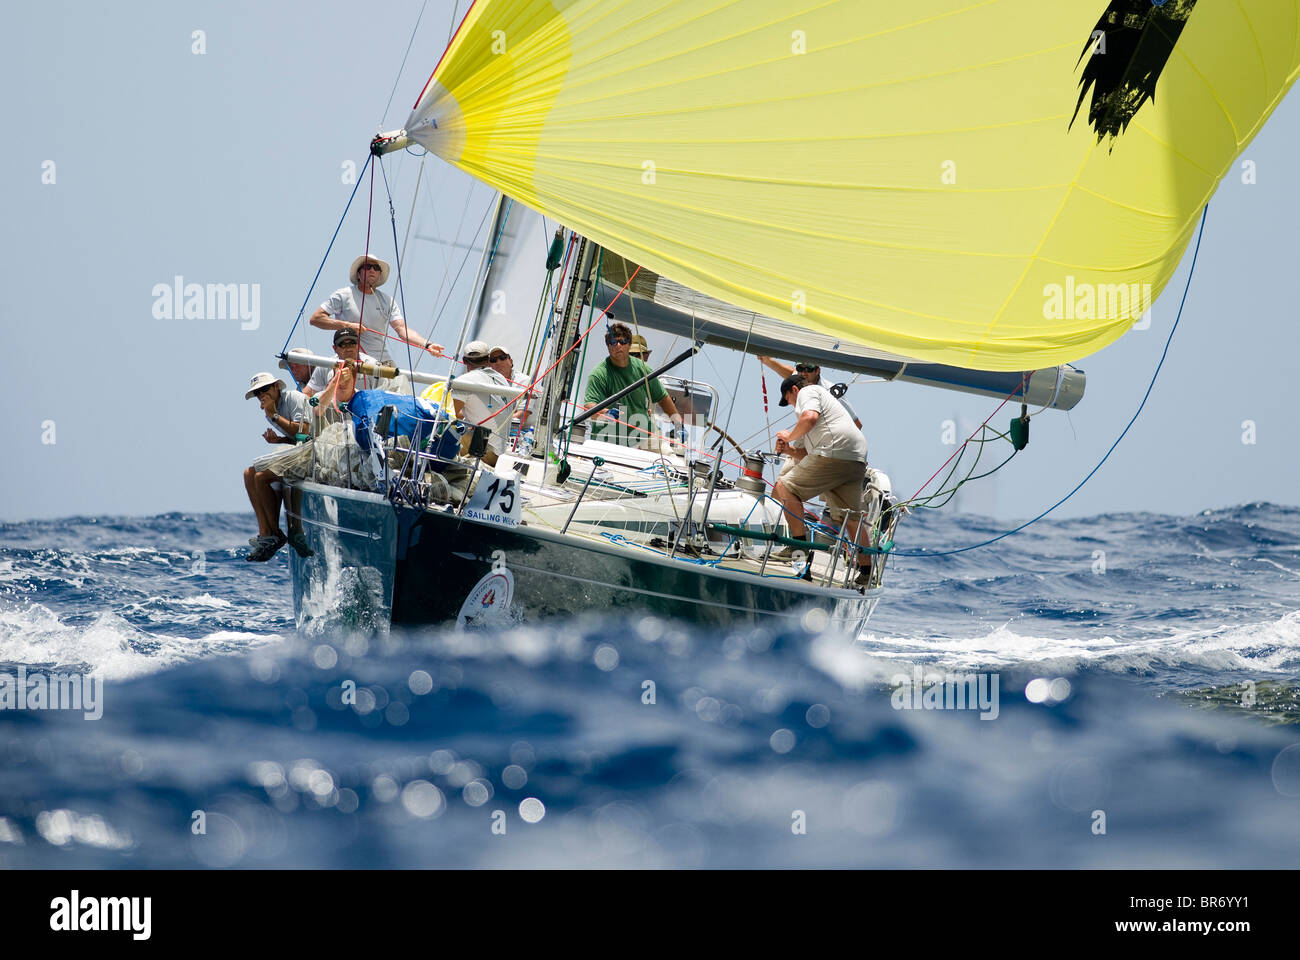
(760, 749)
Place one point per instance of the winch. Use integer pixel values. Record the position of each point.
(751, 475)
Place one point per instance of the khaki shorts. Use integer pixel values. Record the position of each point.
(838, 482)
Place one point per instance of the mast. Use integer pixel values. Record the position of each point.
(578, 295)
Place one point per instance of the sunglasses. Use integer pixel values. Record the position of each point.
(261, 390)
(371, 266)
(617, 341)
(497, 358)
(806, 367)
(346, 343)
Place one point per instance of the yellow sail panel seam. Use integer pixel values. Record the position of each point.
(1259, 52)
(1029, 262)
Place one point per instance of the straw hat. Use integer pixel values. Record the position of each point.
(356, 265)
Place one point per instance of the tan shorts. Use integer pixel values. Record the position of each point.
(838, 482)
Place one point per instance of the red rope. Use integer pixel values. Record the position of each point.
(541, 348)
(361, 310)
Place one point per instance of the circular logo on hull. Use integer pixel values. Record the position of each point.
(489, 602)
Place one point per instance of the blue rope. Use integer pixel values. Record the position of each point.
(324, 259)
(745, 522)
(1150, 386)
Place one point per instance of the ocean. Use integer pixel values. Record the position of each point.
(1132, 684)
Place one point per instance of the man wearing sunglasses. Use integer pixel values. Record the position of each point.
(346, 347)
(633, 426)
(499, 359)
(343, 310)
(492, 411)
(286, 410)
(812, 373)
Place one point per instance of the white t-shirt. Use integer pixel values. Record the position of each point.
(834, 434)
(381, 311)
(479, 408)
(292, 406)
(321, 376)
(853, 416)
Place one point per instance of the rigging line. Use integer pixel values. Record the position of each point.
(361, 309)
(963, 446)
(560, 359)
(438, 310)
(1190, 273)
(951, 492)
(740, 367)
(546, 333)
(401, 294)
(410, 217)
(469, 247)
(398, 78)
(578, 371)
(446, 268)
(325, 259)
(442, 251)
(451, 27)
(471, 305)
(970, 478)
(768, 429)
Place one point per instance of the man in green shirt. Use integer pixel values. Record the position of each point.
(617, 372)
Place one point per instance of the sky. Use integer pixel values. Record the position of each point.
(212, 141)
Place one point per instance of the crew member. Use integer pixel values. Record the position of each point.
(346, 347)
(617, 372)
(343, 309)
(832, 463)
(640, 349)
(492, 411)
(286, 410)
(500, 360)
(812, 373)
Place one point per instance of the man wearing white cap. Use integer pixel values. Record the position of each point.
(345, 305)
(286, 410)
(492, 411)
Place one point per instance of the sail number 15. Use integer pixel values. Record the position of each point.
(495, 499)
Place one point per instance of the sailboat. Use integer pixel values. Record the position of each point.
(965, 196)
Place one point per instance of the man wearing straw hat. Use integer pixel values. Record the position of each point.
(639, 349)
(343, 309)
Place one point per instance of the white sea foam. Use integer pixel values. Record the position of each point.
(1271, 646)
(109, 645)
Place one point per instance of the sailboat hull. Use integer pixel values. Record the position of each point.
(432, 567)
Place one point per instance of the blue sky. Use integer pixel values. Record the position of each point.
(227, 167)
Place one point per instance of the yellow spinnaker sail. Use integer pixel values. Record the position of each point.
(908, 175)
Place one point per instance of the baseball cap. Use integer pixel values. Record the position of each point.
(789, 383)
